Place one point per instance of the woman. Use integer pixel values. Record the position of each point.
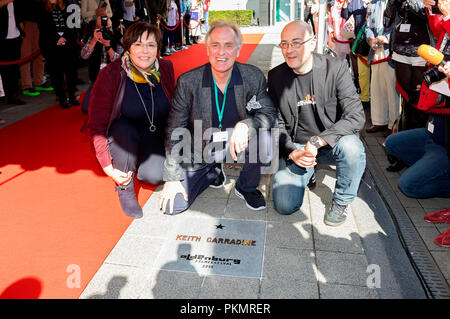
(58, 44)
(336, 41)
(196, 17)
(128, 111)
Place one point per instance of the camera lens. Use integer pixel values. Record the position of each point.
(433, 75)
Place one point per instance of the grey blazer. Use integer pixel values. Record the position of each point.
(192, 103)
(338, 105)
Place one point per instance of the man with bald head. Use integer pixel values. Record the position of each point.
(320, 116)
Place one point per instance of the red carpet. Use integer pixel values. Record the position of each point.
(60, 214)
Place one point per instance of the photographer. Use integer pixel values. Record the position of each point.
(101, 49)
(426, 150)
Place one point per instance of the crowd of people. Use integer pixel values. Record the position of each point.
(139, 120)
(56, 37)
(380, 39)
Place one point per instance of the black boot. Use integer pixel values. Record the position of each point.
(128, 200)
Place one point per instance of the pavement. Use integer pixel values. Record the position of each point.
(384, 250)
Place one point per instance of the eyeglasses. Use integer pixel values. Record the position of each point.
(294, 44)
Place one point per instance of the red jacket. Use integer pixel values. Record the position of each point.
(105, 104)
(428, 97)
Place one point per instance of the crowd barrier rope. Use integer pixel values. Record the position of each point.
(31, 56)
(342, 41)
(198, 24)
(22, 60)
(171, 29)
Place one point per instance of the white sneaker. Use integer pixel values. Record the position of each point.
(173, 50)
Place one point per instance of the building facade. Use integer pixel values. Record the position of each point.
(268, 12)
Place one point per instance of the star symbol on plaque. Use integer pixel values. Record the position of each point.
(219, 226)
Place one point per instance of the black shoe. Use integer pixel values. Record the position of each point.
(64, 104)
(254, 200)
(73, 101)
(396, 166)
(128, 201)
(221, 178)
(312, 181)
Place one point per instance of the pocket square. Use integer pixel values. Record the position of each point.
(253, 104)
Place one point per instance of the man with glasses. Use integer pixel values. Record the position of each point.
(216, 111)
(320, 116)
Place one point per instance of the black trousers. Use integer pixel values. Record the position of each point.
(136, 150)
(187, 20)
(62, 67)
(410, 78)
(10, 51)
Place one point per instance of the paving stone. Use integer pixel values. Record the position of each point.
(154, 225)
(436, 203)
(115, 282)
(342, 268)
(237, 209)
(407, 202)
(288, 289)
(416, 215)
(289, 235)
(442, 258)
(371, 140)
(172, 285)
(334, 291)
(428, 234)
(223, 192)
(344, 238)
(214, 207)
(224, 287)
(291, 264)
(134, 250)
(301, 215)
(442, 227)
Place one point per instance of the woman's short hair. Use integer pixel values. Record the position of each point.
(135, 32)
(228, 24)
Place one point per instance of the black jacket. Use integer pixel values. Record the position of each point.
(338, 105)
(48, 37)
(20, 10)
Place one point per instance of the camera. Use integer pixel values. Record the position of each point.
(433, 75)
(106, 33)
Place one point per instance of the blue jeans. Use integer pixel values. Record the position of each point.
(195, 182)
(428, 174)
(291, 180)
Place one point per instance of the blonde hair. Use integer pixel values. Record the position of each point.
(227, 24)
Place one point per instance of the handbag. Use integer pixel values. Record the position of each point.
(360, 46)
(348, 29)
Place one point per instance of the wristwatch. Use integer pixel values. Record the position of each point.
(315, 141)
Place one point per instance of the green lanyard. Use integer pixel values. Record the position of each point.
(220, 111)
